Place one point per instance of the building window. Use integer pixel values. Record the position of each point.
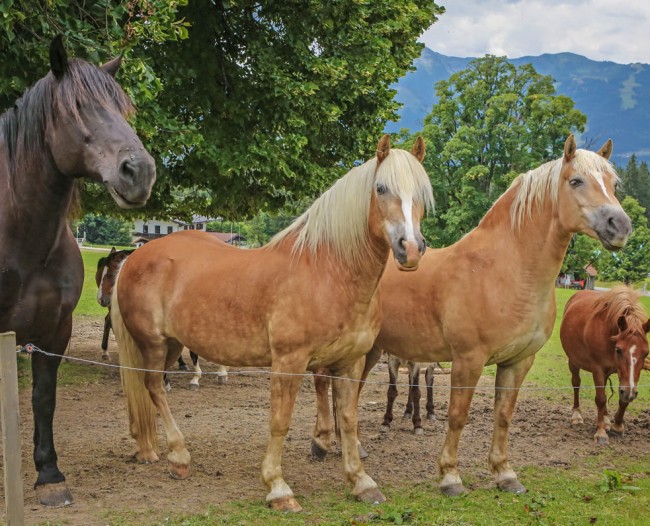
(199, 226)
(191, 227)
(145, 229)
(157, 229)
(170, 229)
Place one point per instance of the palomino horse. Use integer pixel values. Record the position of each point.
(105, 276)
(70, 124)
(306, 300)
(460, 306)
(605, 333)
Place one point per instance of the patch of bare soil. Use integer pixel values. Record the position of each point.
(225, 428)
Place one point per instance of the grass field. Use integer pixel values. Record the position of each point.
(581, 494)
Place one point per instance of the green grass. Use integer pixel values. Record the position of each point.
(88, 305)
(579, 495)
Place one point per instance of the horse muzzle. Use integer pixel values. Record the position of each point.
(612, 225)
(135, 178)
(408, 254)
(627, 395)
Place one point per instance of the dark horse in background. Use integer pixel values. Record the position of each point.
(70, 124)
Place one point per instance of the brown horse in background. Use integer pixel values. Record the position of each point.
(70, 124)
(306, 300)
(605, 333)
(461, 305)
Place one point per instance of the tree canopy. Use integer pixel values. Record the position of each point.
(245, 105)
(492, 121)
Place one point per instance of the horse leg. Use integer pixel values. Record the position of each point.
(346, 401)
(182, 366)
(321, 438)
(508, 381)
(194, 382)
(222, 373)
(429, 378)
(465, 374)
(107, 329)
(50, 486)
(618, 427)
(576, 417)
(601, 404)
(414, 396)
(284, 389)
(391, 394)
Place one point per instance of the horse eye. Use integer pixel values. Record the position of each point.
(618, 350)
(575, 182)
(381, 189)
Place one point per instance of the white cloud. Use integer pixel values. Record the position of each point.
(597, 29)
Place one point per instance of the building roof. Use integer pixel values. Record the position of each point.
(228, 237)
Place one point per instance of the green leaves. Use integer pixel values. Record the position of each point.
(614, 481)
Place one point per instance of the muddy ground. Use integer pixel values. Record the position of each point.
(225, 427)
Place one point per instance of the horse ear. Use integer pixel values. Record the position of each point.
(113, 65)
(418, 148)
(383, 148)
(58, 57)
(112, 251)
(570, 148)
(622, 324)
(606, 149)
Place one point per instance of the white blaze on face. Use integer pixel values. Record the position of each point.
(599, 177)
(99, 290)
(632, 364)
(407, 210)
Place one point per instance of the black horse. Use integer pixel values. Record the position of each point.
(70, 124)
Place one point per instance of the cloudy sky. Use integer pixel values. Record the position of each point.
(616, 30)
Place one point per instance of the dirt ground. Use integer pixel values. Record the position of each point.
(225, 427)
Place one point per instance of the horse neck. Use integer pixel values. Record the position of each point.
(535, 250)
(39, 199)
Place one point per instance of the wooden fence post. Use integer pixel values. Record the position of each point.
(11, 450)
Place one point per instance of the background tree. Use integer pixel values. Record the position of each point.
(632, 263)
(492, 121)
(106, 230)
(636, 182)
(245, 105)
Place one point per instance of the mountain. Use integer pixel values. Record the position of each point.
(614, 97)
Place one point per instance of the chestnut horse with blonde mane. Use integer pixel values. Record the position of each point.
(306, 300)
(605, 333)
(461, 306)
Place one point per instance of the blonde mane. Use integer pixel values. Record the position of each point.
(542, 183)
(338, 219)
(622, 301)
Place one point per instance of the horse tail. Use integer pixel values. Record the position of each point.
(141, 410)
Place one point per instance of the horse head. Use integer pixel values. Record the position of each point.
(107, 269)
(586, 196)
(631, 350)
(401, 195)
(88, 135)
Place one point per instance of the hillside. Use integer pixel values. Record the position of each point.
(615, 97)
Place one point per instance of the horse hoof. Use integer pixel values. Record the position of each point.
(602, 441)
(511, 486)
(105, 356)
(221, 380)
(363, 454)
(418, 431)
(180, 471)
(616, 432)
(431, 418)
(168, 387)
(318, 453)
(145, 458)
(54, 495)
(385, 428)
(193, 387)
(408, 416)
(453, 490)
(371, 496)
(286, 504)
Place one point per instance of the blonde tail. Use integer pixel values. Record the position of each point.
(141, 410)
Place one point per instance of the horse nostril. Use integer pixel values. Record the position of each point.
(128, 171)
